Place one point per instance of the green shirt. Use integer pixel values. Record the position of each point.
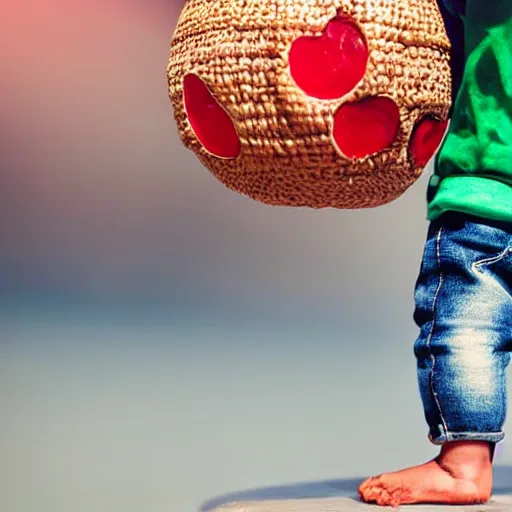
(473, 168)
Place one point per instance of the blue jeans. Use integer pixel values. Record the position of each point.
(463, 301)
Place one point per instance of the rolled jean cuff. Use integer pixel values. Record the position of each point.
(447, 437)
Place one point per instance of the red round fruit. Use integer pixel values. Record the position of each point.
(330, 66)
(210, 122)
(425, 139)
(366, 127)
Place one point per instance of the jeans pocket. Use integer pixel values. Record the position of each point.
(483, 264)
(497, 269)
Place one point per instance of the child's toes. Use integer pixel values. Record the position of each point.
(365, 487)
(371, 489)
(383, 497)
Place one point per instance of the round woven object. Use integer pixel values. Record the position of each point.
(316, 103)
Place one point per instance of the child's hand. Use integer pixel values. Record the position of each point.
(453, 12)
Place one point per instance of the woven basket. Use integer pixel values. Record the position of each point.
(240, 49)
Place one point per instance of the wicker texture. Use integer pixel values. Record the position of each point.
(239, 48)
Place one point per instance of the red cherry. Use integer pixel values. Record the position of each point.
(366, 127)
(330, 66)
(209, 121)
(426, 137)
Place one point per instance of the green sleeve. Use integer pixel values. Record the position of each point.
(473, 169)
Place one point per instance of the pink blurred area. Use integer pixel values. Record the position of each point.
(87, 139)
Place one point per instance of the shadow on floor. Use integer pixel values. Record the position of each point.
(329, 488)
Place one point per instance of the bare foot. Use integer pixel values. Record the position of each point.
(460, 475)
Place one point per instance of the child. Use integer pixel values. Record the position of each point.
(464, 290)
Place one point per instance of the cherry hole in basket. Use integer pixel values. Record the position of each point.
(210, 122)
(426, 137)
(366, 127)
(332, 64)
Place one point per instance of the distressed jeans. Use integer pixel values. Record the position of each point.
(463, 307)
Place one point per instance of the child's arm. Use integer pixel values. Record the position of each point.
(452, 12)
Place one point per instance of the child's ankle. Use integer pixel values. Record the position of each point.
(466, 459)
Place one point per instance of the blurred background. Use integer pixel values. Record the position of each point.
(163, 340)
